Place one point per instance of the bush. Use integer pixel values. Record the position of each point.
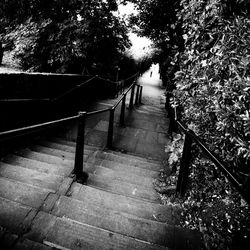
(212, 88)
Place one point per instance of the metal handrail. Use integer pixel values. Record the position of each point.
(81, 117)
(124, 94)
(40, 126)
(25, 100)
(65, 93)
(73, 89)
(97, 112)
(183, 173)
(49, 99)
(10, 134)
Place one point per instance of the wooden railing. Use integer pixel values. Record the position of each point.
(192, 138)
(81, 119)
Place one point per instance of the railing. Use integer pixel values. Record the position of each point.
(76, 88)
(190, 138)
(120, 85)
(81, 118)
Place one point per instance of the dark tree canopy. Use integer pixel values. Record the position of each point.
(64, 35)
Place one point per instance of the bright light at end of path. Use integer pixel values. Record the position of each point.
(141, 46)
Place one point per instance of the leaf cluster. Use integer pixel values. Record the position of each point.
(212, 87)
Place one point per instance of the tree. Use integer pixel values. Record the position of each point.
(158, 21)
(65, 36)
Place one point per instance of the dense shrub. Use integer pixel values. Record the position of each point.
(213, 90)
(214, 81)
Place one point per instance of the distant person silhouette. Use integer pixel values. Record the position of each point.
(151, 73)
(1, 53)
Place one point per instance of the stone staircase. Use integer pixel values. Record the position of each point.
(41, 207)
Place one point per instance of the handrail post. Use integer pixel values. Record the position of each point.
(132, 97)
(79, 153)
(184, 165)
(122, 115)
(111, 128)
(137, 95)
(140, 96)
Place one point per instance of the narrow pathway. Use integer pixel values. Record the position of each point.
(146, 126)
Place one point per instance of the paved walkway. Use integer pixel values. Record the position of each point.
(146, 127)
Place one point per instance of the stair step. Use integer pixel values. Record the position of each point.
(63, 147)
(135, 157)
(140, 208)
(12, 214)
(43, 157)
(65, 233)
(122, 187)
(128, 160)
(28, 176)
(152, 110)
(25, 244)
(123, 175)
(23, 193)
(52, 151)
(42, 167)
(122, 167)
(123, 223)
(71, 143)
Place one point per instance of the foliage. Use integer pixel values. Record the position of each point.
(175, 151)
(206, 54)
(213, 83)
(66, 36)
(212, 88)
(158, 21)
(213, 207)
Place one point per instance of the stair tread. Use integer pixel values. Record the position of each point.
(40, 166)
(122, 175)
(72, 143)
(12, 214)
(26, 244)
(119, 222)
(23, 193)
(74, 235)
(123, 187)
(122, 167)
(134, 157)
(43, 157)
(128, 160)
(29, 176)
(52, 151)
(62, 147)
(141, 208)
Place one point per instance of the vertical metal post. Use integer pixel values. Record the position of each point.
(137, 95)
(79, 153)
(140, 97)
(111, 128)
(122, 115)
(132, 97)
(184, 165)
